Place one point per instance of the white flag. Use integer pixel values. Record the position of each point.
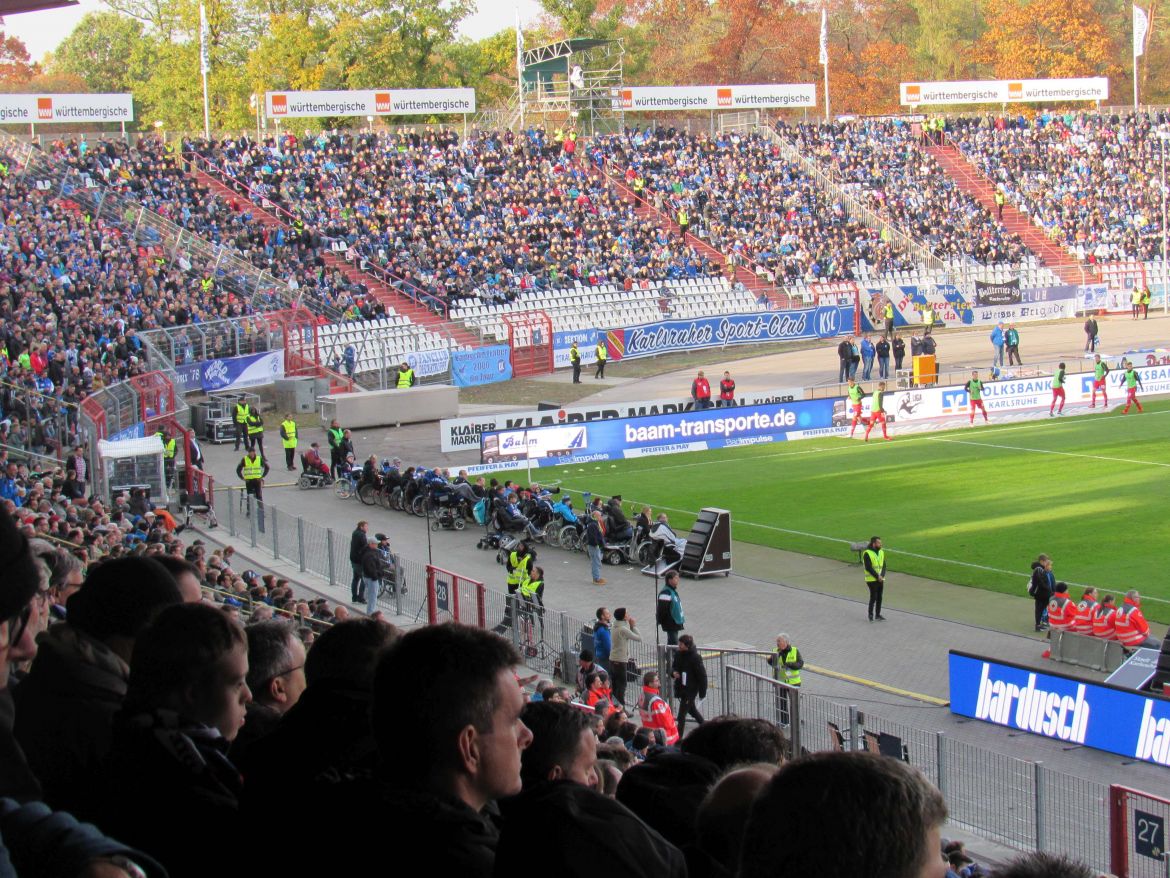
(1141, 24)
(519, 45)
(825, 35)
(204, 62)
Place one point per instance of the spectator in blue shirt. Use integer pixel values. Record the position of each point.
(602, 639)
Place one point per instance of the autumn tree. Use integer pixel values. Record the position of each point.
(1035, 39)
(16, 67)
(99, 51)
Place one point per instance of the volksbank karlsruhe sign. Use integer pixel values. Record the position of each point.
(1109, 718)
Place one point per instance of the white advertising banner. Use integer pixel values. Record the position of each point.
(59, 109)
(457, 434)
(370, 102)
(714, 97)
(1005, 91)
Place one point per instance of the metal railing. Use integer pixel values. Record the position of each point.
(231, 337)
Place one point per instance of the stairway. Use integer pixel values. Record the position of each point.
(380, 289)
(642, 208)
(972, 181)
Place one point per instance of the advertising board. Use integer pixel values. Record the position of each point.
(369, 102)
(34, 109)
(714, 97)
(1109, 718)
(1004, 91)
(619, 438)
(456, 434)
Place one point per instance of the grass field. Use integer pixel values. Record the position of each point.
(971, 506)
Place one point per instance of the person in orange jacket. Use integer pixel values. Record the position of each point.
(1061, 610)
(597, 690)
(655, 711)
(1086, 609)
(1103, 618)
(1130, 623)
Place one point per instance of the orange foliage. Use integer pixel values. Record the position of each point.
(1032, 39)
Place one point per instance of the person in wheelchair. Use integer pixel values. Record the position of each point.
(672, 545)
(512, 519)
(620, 530)
(311, 462)
(371, 472)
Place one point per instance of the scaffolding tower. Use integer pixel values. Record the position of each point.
(573, 82)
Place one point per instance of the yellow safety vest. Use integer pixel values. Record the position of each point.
(207, 284)
(289, 440)
(243, 411)
(601, 351)
(682, 217)
(255, 425)
(405, 379)
(253, 468)
(790, 675)
(877, 560)
(889, 311)
(519, 572)
(168, 448)
(530, 588)
(574, 355)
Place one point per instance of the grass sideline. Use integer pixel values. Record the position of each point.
(972, 506)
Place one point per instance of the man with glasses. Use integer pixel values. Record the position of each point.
(276, 676)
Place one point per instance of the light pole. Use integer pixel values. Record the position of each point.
(1163, 134)
(369, 123)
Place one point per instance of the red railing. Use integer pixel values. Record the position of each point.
(443, 598)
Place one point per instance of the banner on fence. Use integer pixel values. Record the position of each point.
(714, 97)
(586, 346)
(1005, 293)
(233, 373)
(426, 363)
(369, 102)
(481, 366)
(952, 308)
(189, 377)
(663, 337)
(1004, 91)
(34, 109)
(456, 434)
(1066, 708)
(619, 438)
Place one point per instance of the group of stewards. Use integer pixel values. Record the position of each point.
(1101, 618)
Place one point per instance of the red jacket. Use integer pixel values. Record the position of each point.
(727, 389)
(656, 714)
(1061, 612)
(593, 696)
(700, 389)
(1103, 618)
(1083, 618)
(1130, 624)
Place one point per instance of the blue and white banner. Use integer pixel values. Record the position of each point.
(135, 431)
(190, 377)
(481, 366)
(651, 339)
(1096, 715)
(586, 346)
(660, 434)
(233, 373)
(427, 363)
(952, 307)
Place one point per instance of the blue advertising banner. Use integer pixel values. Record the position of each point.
(190, 377)
(650, 339)
(1096, 715)
(586, 346)
(659, 434)
(253, 370)
(481, 366)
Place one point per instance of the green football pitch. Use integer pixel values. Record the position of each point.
(972, 506)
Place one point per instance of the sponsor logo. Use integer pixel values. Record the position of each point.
(279, 105)
(723, 97)
(954, 401)
(913, 94)
(381, 102)
(44, 108)
(1153, 737)
(828, 321)
(627, 98)
(1015, 91)
(215, 374)
(1035, 710)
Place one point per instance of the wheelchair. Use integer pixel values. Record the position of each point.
(311, 477)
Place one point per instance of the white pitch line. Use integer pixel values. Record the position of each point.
(1049, 451)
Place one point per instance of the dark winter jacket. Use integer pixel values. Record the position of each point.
(692, 676)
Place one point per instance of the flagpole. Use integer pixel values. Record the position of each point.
(1141, 27)
(520, 67)
(204, 65)
(826, 91)
(824, 53)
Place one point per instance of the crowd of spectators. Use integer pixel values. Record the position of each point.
(739, 193)
(460, 218)
(884, 162)
(1091, 181)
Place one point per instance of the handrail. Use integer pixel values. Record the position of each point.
(853, 205)
(410, 290)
